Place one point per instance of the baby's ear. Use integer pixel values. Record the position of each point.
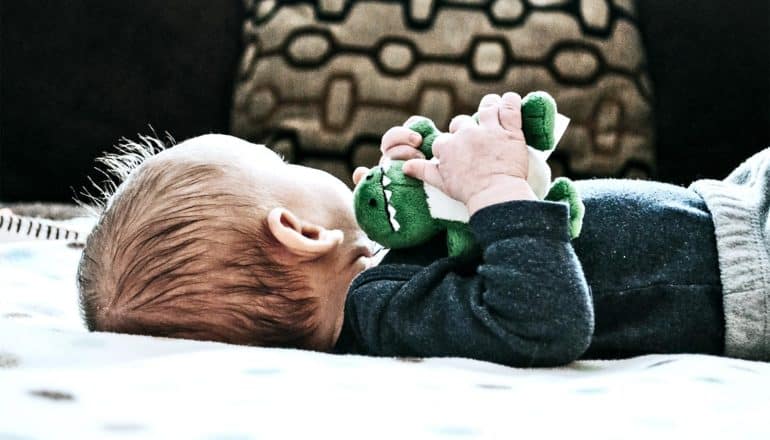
(302, 241)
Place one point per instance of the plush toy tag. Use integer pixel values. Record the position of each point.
(560, 124)
(446, 208)
(559, 128)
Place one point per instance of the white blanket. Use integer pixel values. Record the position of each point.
(59, 381)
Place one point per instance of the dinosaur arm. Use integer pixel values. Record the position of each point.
(564, 191)
(460, 240)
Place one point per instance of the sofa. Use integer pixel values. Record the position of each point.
(77, 76)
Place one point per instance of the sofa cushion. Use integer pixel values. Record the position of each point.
(321, 81)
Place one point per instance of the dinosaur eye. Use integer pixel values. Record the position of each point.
(372, 203)
(369, 176)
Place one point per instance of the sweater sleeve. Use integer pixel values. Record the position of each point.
(524, 303)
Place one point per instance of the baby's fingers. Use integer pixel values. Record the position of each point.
(358, 173)
(510, 113)
(488, 111)
(401, 143)
(402, 152)
(424, 170)
(461, 121)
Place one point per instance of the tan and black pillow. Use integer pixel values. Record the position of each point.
(320, 81)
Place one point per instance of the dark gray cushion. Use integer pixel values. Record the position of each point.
(710, 64)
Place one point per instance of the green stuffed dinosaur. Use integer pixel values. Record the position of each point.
(398, 211)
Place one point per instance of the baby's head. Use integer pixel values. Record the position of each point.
(219, 239)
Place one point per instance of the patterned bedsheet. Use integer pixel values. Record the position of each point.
(59, 381)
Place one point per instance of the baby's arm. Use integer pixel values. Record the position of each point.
(525, 304)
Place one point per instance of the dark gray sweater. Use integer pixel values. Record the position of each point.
(642, 278)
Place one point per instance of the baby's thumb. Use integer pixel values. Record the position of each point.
(425, 170)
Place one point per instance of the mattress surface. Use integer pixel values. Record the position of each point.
(59, 381)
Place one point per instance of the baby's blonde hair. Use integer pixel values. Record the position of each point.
(179, 251)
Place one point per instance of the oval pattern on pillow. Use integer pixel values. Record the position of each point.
(321, 81)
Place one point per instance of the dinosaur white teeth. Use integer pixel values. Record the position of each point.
(392, 218)
(388, 194)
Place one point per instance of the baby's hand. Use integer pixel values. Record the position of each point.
(480, 164)
(398, 143)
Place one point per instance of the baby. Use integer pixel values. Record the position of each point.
(219, 239)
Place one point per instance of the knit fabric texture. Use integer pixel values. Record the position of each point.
(740, 206)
